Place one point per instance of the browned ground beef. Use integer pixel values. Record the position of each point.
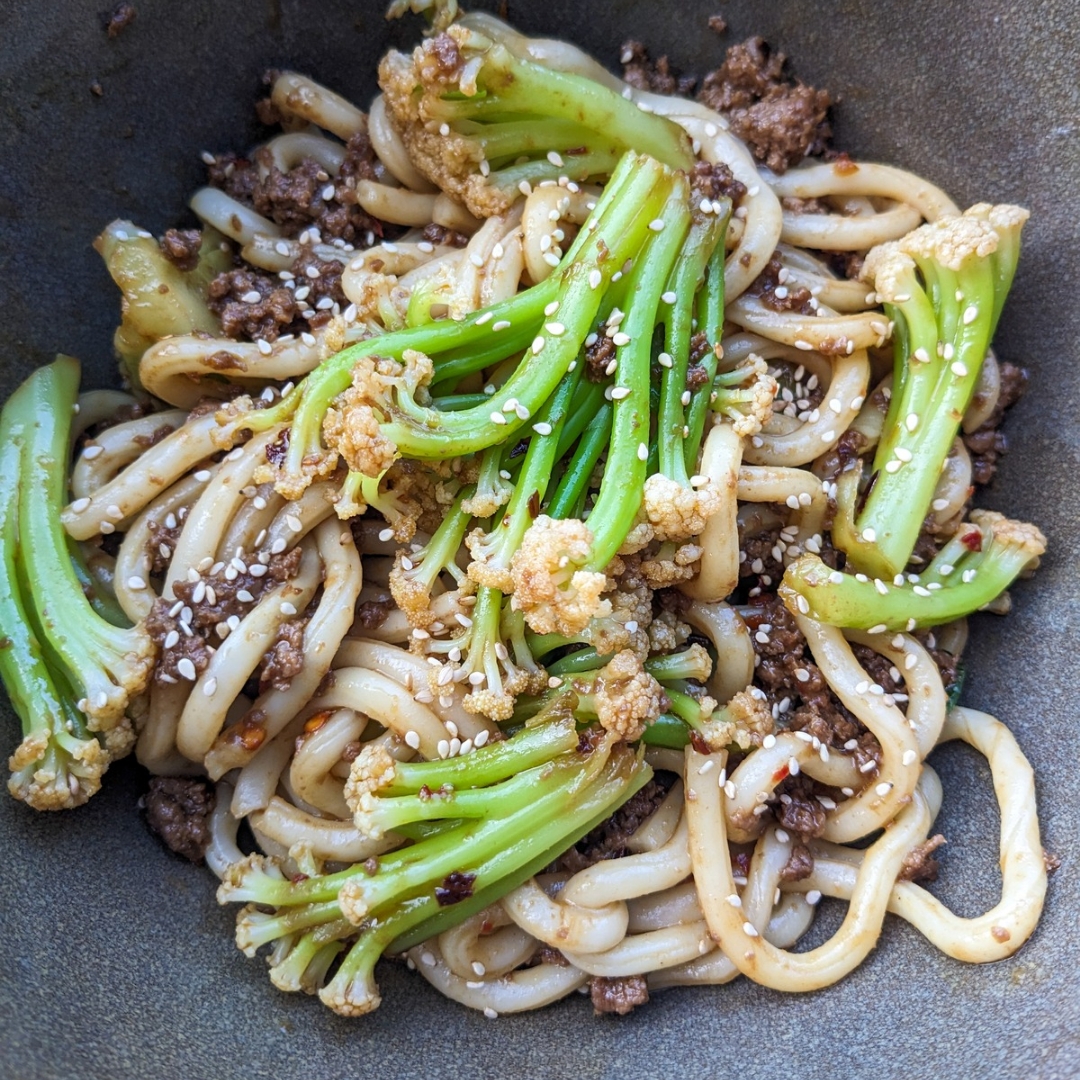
(791, 297)
(181, 247)
(619, 996)
(919, 863)
(440, 234)
(597, 357)
(232, 297)
(800, 863)
(285, 658)
(608, 841)
(178, 810)
(781, 120)
(162, 543)
(643, 74)
(716, 182)
(987, 443)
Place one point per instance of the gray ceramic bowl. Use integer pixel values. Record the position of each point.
(115, 961)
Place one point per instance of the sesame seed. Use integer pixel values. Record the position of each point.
(959, 369)
(106, 527)
(286, 608)
(186, 669)
(555, 159)
(919, 590)
(498, 418)
(879, 628)
(538, 345)
(749, 929)
(813, 897)
(294, 523)
(656, 225)
(542, 428)
(620, 339)
(210, 687)
(803, 605)
(619, 392)
(595, 277)
(869, 535)
(804, 345)
(883, 789)
(642, 452)
(490, 1013)
(263, 346)
(412, 740)
(556, 329)
(502, 324)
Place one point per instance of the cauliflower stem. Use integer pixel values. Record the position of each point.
(943, 286)
(974, 568)
(70, 673)
(500, 836)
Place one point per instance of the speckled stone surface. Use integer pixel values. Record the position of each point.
(116, 963)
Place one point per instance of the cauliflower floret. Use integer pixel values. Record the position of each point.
(371, 771)
(744, 722)
(554, 597)
(671, 565)
(625, 697)
(410, 86)
(677, 512)
(667, 632)
(484, 569)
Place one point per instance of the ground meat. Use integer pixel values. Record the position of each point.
(879, 668)
(162, 543)
(178, 810)
(696, 377)
(919, 863)
(782, 658)
(371, 614)
(640, 72)
(608, 840)
(231, 296)
(800, 863)
(803, 206)
(447, 56)
(161, 432)
(797, 810)
(306, 195)
(234, 175)
(324, 285)
(597, 357)
(218, 601)
(947, 663)
(181, 247)
(716, 182)
(223, 602)
(285, 658)
(758, 557)
(548, 955)
(699, 347)
(619, 996)
(781, 120)
(780, 297)
(847, 450)
(440, 234)
(160, 625)
(121, 16)
(717, 24)
(986, 444)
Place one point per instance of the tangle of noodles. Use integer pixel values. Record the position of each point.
(283, 655)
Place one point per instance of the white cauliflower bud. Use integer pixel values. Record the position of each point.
(555, 597)
(626, 697)
(677, 512)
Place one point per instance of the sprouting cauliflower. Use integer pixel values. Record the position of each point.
(624, 696)
(555, 597)
(677, 512)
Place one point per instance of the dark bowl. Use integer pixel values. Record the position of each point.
(115, 961)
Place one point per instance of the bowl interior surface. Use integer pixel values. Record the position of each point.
(114, 954)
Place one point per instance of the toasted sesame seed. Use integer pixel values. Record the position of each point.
(538, 345)
(642, 452)
(959, 369)
(542, 428)
(497, 418)
(286, 608)
(186, 669)
(620, 339)
(803, 605)
(749, 929)
(294, 523)
(502, 324)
